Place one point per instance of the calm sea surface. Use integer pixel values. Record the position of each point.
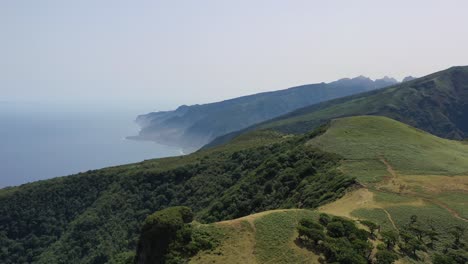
(39, 141)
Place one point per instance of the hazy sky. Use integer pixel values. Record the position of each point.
(172, 52)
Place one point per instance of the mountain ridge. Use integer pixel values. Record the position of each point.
(435, 103)
(190, 127)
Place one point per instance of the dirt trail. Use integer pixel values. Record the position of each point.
(390, 218)
(389, 168)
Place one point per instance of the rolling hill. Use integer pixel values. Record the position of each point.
(362, 168)
(437, 103)
(191, 127)
(404, 173)
(96, 216)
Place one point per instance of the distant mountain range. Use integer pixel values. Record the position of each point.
(436, 103)
(191, 127)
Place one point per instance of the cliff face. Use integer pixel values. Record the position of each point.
(191, 127)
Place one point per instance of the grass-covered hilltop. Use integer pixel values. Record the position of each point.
(338, 182)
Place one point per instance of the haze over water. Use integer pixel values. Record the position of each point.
(41, 141)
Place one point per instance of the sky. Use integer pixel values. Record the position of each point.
(166, 53)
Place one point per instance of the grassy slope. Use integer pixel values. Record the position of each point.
(266, 237)
(370, 139)
(405, 172)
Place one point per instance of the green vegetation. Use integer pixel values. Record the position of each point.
(340, 241)
(274, 235)
(168, 236)
(392, 198)
(409, 192)
(337, 239)
(376, 215)
(96, 217)
(458, 201)
(415, 191)
(407, 172)
(433, 215)
(266, 237)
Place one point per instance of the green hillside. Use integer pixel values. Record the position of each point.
(96, 216)
(277, 236)
(266, 237)
(367, 140)
(361, 168)
(437, 103)
(404, 172)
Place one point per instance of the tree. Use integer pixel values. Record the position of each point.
(418, 231)
(342, 242)
(364, 248)
(324, 219)
(310, 231)
(371, 225)
(335, 229)
(390, 238)
(405, 235)
(457, 232)
(412, 246)
(385, 257)
(443, 259)
(433, 236)
(310, 224)
(316, 235)
(310, 235)
(413, 219)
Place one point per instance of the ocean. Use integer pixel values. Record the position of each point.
(41, 141)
